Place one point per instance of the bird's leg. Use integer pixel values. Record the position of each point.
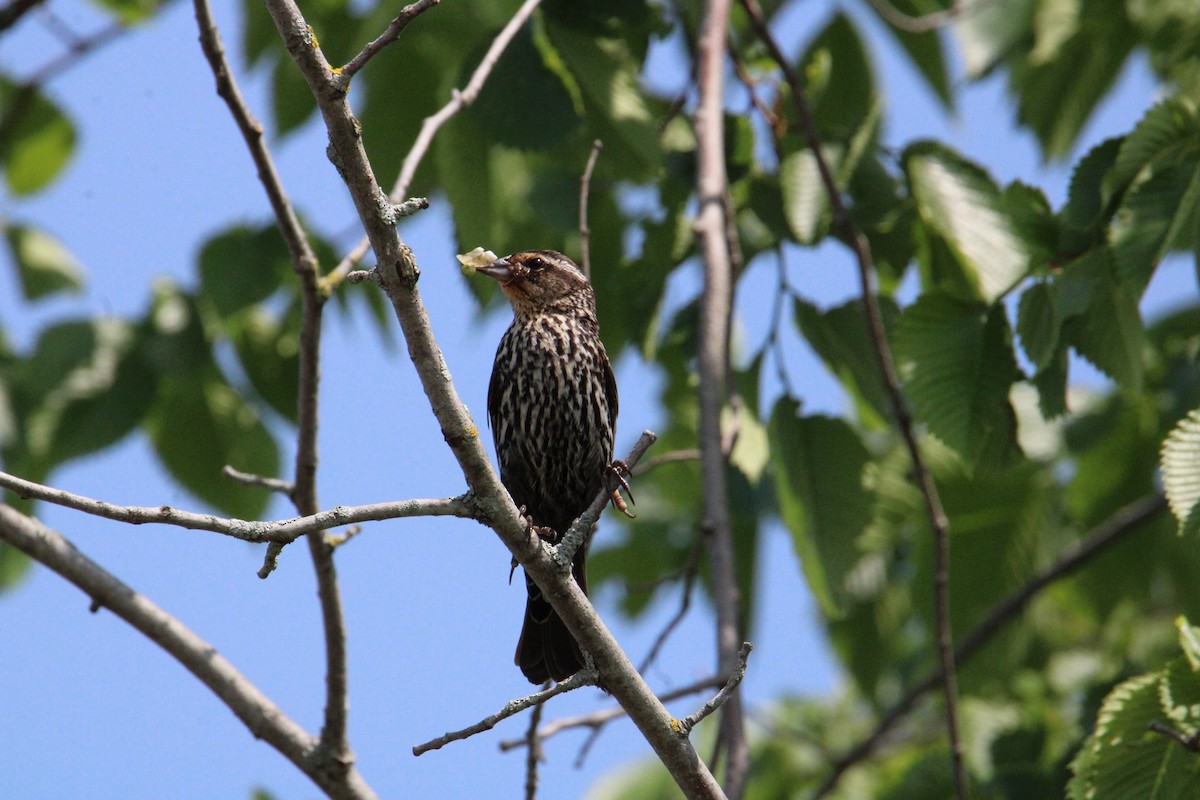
(617, 475)
(544, 533)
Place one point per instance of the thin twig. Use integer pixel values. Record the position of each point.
(598, 719)
(581, 528)
(774, 341)
(716, 302)
(258, 713)
(689, 572)
(391, 34)
(282, 531)
(585, 186)
(11, 13)
(918, 24)
(673, 457)
(459, 99)
(938, 522)
(533, 753)
(584, 677)
(724, 696)
(1189, 741)
(1107, 533)
(259, 481)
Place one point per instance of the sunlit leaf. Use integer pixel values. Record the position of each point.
(1181, 471)
(962, 203)
(44, 265)
(36, 138)
(819, 463)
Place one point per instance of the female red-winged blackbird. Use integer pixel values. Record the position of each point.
(553, 408)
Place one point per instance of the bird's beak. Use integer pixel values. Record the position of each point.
(499, 270)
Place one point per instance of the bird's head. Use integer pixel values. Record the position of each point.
(541, 280)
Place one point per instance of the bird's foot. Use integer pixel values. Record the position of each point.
(544, 533)
(617, 475)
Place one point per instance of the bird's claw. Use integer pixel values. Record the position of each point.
(618, 475)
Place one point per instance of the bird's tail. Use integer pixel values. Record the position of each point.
(546, 649)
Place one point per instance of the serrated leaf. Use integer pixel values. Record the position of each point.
(1179, 694)
(1109, 332)
(44, 265)
(962, 204)
(840, 337)
(36, 138)
(925, 51)
(819, 463)
(1125, 759)
(1087, 195)
(199, 425)
(1157, 214)
(1038, 324)
(1180, 463)
(1189, 641)
(957, 363)
(1057, 92)
(805, 200)
(1168, 128)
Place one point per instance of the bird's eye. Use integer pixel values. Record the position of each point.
(535, 263)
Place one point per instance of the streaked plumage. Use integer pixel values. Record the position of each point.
(552, 402)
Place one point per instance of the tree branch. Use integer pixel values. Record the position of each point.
(334, 745)
(459, 99)
(724, 696)
(585, 186)
(282, 531)
(1107, 533)
(938, 522)
(711, 228)
(918, 24)
(11, 13)
(582, 678)
(261, 717)
(398, 275)
(598, 719)
(391, 34)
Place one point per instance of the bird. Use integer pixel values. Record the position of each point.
(552, 405)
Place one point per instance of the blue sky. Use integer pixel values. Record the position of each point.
(90, 709)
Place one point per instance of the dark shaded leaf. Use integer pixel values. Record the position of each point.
(44, 265)
(36, 138)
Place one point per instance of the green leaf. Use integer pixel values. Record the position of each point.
(805, 200)
(522, 87)
(962, 204)
(240, 267)
(36, 139)
(819, 463)
(1189, 641)
(14, 567)
(1038, 324)
(199, 425)
(1109, 333)
(269, 351)
(1059, 84)
(129, 11)
(1168, 130)
(1126, 760)
(925, 52)
(841, 82)
(988, 32)
(1033, 220)
(1180, 463)
(957, 362)
(1089, 193)
(44, 265)
(1159, 213)
(840, 337)
(292, 102)
(86, 386)
(616, 109)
